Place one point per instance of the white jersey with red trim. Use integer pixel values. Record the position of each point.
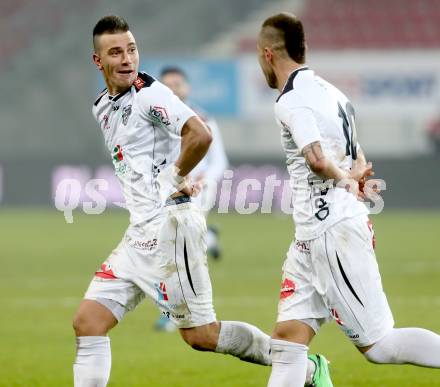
(141, 128)
(310, 109)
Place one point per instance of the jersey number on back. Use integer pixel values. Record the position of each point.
(349, 129)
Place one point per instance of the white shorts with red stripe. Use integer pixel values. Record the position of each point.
(336, 276)
(166, 262)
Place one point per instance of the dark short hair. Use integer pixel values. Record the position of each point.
(292, 31)
(172, 70)
(110, 25)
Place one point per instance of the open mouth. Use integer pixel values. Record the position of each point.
(125, 72)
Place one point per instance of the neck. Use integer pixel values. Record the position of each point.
(283, 70)
(114, 90)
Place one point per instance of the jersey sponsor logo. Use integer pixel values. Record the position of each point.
(288, 287)
(106, 272)
(177, 316)
(351, 334)
(158, 115)
(144, 245)
(161, 291)
(302, 246)
(139, 83)
(126, 112)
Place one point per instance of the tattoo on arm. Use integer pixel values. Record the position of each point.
(313, 152)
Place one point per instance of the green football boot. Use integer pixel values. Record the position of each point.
(321, 377)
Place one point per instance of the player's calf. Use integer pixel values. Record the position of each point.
(235, 338)
(202, 338)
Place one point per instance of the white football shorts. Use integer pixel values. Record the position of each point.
(167, 263)
(336, 276)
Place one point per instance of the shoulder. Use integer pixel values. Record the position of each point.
(291, 83)
(99, 97)
(287, 102)
(148, 87)
(100, 103)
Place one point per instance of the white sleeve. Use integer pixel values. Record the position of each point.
(301, 123)
(161, 107)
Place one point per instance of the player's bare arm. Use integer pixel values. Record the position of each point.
(321, 165)
(326, 169)
(196, 138)
(361, 159)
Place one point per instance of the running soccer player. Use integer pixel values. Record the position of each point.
(331, 269)
(163, 252)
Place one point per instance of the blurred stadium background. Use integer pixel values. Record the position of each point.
(385, 55)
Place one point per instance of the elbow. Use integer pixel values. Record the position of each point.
(318, 166)
(205, 140)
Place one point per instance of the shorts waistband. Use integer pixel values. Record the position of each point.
(178, 200)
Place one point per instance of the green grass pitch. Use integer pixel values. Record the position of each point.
(47, 264)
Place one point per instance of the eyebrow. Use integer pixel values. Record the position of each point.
(119, 47)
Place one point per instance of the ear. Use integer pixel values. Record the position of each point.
(268, 54)
(97, 61)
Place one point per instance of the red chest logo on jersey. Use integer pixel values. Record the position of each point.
(288, 287)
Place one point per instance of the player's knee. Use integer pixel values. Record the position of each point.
(93, 319)
(381, 354)
(294, 331)
(198, 342)
(86, 325)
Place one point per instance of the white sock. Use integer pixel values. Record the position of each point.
(244, 341)
(407, 345)
(289, 364)
(93, 361)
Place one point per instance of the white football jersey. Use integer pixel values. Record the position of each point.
(141, 128)
(310, 109)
